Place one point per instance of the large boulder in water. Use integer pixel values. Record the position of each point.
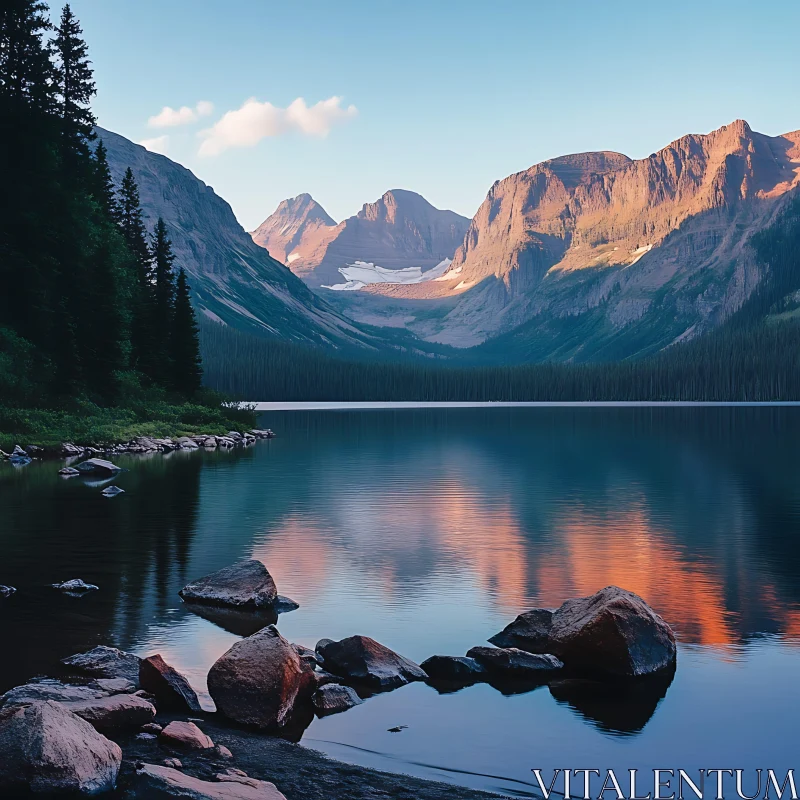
(612, 632)
(260, 680)
(45, 748)
(167, 685)
(363, 660)
(105, 662)
(247, 584)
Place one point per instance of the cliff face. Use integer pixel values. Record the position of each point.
(659, 243)
(398, 231)
(234, 281)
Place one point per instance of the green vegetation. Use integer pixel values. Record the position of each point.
(98, 338)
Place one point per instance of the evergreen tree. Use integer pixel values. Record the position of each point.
(27, 158)
(164, 279)
(103, 184)
(76, 88)
(131, 224)
(187, 365)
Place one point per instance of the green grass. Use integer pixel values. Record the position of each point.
(85, 423)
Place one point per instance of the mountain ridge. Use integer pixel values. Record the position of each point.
(399, 230)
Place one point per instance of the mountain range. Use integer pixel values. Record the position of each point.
(591, 256)
(400, 231)
(586, 256)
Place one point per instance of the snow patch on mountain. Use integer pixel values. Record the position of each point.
(362, 273)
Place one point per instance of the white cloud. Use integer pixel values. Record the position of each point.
(255, 121)
(157, 145)
(170, 117)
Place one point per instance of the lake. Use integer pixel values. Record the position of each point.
(431, 529)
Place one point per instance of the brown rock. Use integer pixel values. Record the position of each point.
(167, 685)
(185, 736)
(260, 680)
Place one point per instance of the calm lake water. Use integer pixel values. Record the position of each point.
(430, 530)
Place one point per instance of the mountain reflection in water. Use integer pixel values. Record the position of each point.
(430, 530)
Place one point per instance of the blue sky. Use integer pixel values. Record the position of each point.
(448, 96)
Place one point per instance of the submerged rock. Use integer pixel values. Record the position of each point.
(612, 632)
(105, 662)
(45, 748)
(164, 782)
(97, 466)
(333, 698)
(184, 736)
(515, 663)
(6, 591)
(167, 685)
(114, 712)
(453, 668)
(75, 586)
(366, 661)
(260, 680)
(247, 584)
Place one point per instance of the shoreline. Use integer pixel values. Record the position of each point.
(378, 405)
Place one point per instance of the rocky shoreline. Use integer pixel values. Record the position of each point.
(115, 722)
(24, 454)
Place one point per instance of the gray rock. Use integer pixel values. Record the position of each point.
(75, 586)
(152, 727)
(97, 466)
(114, 712)
(167, 685)
(222, 751)
(48, 689)
(247, 584)
(363, 660)
(112, 491)
(333, 698)
(173, 763)
(45, 748)
(6, 591)
(453, 668)
(184, 736)
(68, 472)
(307, 654)
(115, 685)
(163, 782)
(285, 604)
(512, 662)
(105, 662)
(18, 451)
(529, 631)
(260, 680)
(69, 449)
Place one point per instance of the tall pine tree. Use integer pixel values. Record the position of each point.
(187, 365)
(131, 223)
(164, 312)
(75, 84)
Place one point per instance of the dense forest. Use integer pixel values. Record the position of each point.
(98, 338)
(753, 356)
(92, 304)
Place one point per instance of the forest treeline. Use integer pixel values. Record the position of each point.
(753, 356)
(92, 304)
